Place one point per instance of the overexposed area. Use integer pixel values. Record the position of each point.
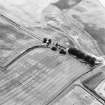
(24, 11)
(102, 2)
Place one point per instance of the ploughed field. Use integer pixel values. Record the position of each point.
(37, 77)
